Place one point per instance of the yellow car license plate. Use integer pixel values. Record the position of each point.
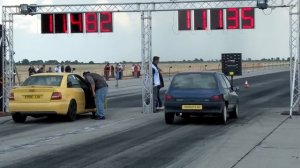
(191, 107)
(32, 96)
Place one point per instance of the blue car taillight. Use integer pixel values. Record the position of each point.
(217, 98)
(168, 97)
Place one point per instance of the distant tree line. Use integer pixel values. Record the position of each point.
(49, 62)
(196, 60)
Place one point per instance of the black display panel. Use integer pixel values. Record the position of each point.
(91, 22)
(200, 19)
(233, 18)
(76, 22)
(216, 19)
(232, 64)
(47, 23)
(248, 18)
(184, 20)
(61, 23)
(106, 22)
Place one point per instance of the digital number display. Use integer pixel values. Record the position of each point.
(247, 18)
(91, 22)
(47, 23)
(216, 19)
(233, 18)
(106, 22)
(184, 20)
(78, 22)
(200, 19)
(61, 23)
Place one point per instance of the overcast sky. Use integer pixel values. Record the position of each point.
(270, 38)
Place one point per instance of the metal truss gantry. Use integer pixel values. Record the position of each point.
(146, 9)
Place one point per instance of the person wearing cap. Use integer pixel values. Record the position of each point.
(99, 88)
(158, 83)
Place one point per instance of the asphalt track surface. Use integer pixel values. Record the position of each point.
(130, 139)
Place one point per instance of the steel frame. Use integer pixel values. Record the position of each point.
(146, 9)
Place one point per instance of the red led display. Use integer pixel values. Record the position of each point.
(216, 19)
(47, 23)
(76, 22)
(91, 22)
(184, 20)
(60, 23)
(233, 18)
(236, 18)
(200, 19)
(106, 24)
(247, 18)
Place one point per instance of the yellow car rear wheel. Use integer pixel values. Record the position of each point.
(19, 118)
(72, 111)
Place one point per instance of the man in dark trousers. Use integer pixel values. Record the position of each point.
(158, 83)
(99, 88)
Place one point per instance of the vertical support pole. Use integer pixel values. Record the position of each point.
(7, 58)
(147, 90)
(294, 55)
(3, 77)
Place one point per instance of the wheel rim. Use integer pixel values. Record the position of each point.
(225, 114)
(237, 110)
(73, 110)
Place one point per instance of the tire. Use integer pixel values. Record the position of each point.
(235, 112)
(223, 117)
(185, 116)
(72, 111)
(19, 118)
(169, 118)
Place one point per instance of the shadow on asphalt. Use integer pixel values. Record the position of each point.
(55, 119)
(201, 121)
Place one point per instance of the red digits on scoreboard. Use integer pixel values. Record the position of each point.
(233, 18)
(51, 23)
(220, 19)
(106, 22)
(188, 19)
(76, 22)
(247, 18)
(204, 19)
(91, 22)
(60, 23)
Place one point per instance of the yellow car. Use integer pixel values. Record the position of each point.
(48, 94)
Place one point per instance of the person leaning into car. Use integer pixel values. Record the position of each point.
(99, 89)
(158, 83)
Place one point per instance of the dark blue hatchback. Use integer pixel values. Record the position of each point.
(201, 93)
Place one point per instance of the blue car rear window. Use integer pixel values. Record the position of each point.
(194, 81)
(43, 81)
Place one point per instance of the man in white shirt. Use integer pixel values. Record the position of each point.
(157, 84)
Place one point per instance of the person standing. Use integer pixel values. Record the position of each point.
(99, 88)
(112, 71)
(158, 83)
(106, 71)
(62, 68)
(68, 69)
(57, 69)
(31, 70)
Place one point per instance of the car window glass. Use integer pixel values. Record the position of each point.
(74, 81)
(227, 81)
(190, 81)
(223, 82)
(81, 81)
(43, 80)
